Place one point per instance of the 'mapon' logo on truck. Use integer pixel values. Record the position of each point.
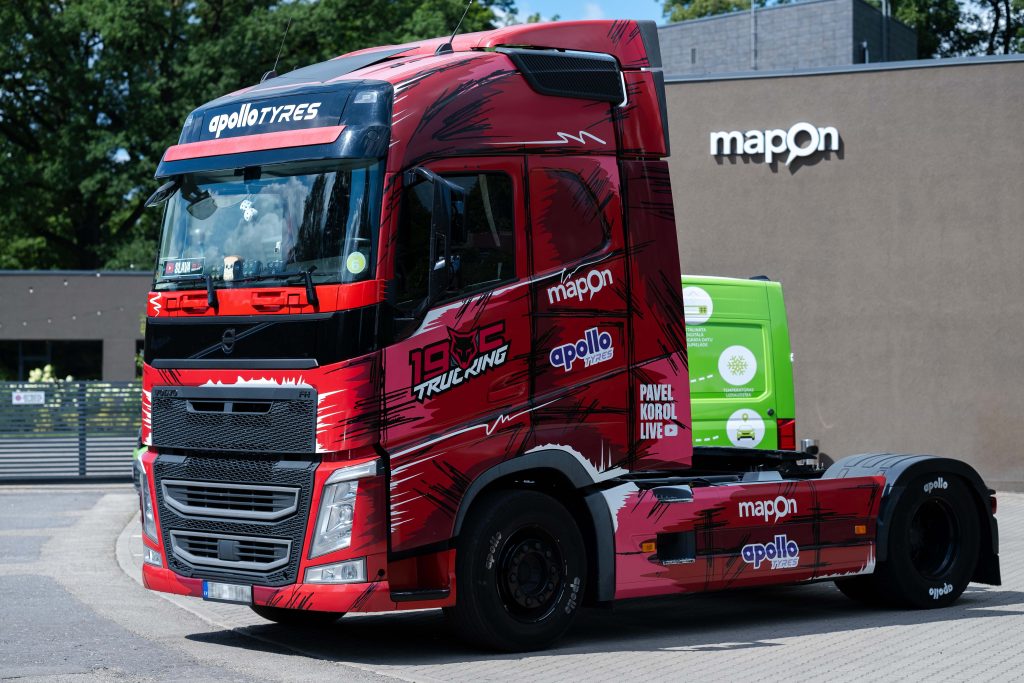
(778, 508)
(438, 367)
(590, 284)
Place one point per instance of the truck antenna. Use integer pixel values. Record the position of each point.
(447, 47)
(273, 72)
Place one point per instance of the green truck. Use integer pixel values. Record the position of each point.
(741, 366)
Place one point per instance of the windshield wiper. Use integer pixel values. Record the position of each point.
(211, 294)
(311, 297)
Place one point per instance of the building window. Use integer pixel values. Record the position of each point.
(80, 359)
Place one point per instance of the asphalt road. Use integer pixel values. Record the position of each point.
(72, 609)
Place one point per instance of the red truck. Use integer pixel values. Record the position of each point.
(416, 340)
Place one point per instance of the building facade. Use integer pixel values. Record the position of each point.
(804, 35)
(86, 324)
(899, 242)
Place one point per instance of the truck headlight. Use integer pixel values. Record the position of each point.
(338, 508)
(148, 517)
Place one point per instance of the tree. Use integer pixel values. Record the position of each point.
(937, 23)
(93, 91)
(683, 10)
(995, 27)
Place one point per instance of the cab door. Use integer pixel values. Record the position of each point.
(457, 382)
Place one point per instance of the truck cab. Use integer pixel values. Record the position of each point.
(416, 340)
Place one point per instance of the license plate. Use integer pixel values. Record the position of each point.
(227, 592)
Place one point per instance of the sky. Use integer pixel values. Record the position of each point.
(592, 9)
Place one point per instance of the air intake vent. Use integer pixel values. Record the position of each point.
(233, 501)
(241, 553)
(585, 75)
(253, 420)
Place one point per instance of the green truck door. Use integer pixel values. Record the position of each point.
(732, 363)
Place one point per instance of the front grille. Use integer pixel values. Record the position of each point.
(247, 419)
(242, 553)
(217, 499)
(194, 541)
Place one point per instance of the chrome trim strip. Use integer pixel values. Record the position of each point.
(195, 511)
(210, 562)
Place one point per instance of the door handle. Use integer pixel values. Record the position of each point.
(270, 301)
(194, 302)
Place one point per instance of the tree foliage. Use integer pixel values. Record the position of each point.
(93, 91)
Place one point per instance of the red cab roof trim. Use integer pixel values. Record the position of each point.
(254, 143)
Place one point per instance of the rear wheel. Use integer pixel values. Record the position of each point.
(520, 572)
(932, 547)
(296, 617)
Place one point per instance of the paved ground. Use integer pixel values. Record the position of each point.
(71, 609)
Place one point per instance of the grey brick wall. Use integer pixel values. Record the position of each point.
(804, 35)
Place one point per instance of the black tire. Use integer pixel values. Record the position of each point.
(932, 547)
(511, 541)
(297, 617)
(862, 589)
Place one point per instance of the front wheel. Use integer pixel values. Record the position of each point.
(296, 617)
(520, 572)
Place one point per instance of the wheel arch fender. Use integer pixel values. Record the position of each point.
(899, 469)
(592, 505)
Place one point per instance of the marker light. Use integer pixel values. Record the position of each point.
(337, 508)
(150, 556)
(148, 516)
(349, 571)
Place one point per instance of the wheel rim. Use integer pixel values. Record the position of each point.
(934, 539)
(530, 571)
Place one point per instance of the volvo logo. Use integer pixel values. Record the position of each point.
(227, 341)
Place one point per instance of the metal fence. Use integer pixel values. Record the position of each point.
(68, 429)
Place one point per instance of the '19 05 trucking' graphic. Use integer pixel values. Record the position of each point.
(418, 347)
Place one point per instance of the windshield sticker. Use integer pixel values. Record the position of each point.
(737, 365)
(445, 364)
(745, 428)
(355, 263)
(175, 267)
(697, 305)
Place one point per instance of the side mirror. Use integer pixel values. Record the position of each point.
(162, 193)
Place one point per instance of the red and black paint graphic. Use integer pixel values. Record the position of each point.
(448, 363)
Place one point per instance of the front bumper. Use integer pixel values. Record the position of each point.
(374, 596)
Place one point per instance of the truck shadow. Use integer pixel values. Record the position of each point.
(723, 622)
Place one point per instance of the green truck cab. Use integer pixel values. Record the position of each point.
(741, 365)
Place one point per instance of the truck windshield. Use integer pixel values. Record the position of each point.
(259, 225)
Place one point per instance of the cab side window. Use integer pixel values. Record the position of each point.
(483, 248)
(482, 245)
